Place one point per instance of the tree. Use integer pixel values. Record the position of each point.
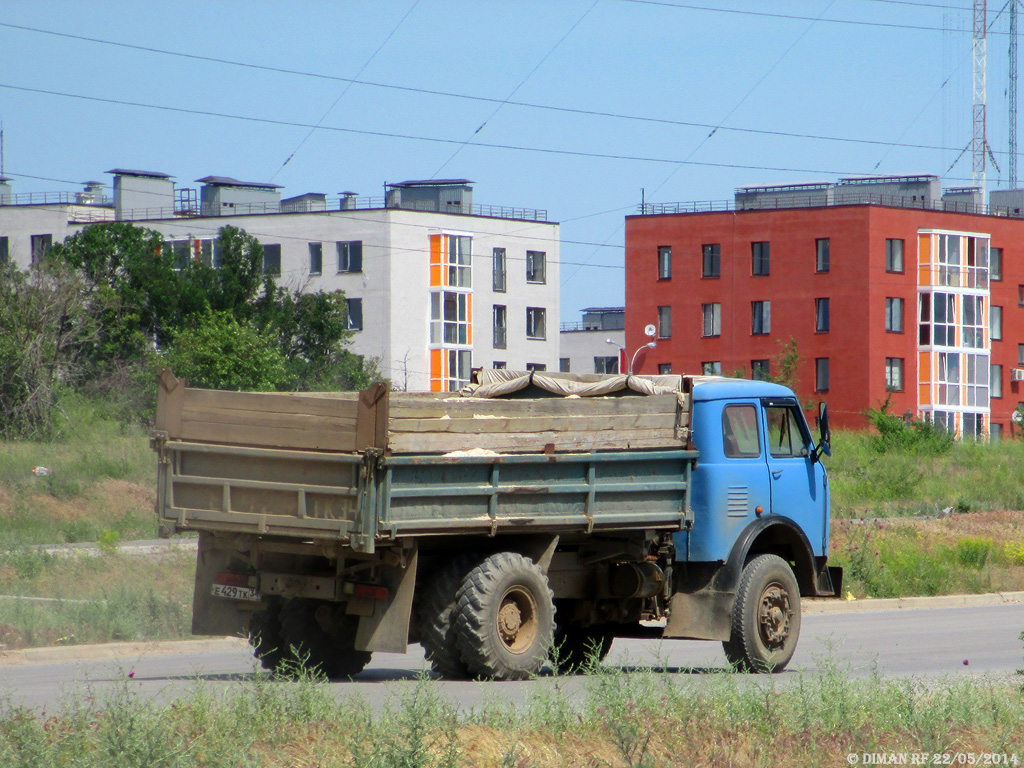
(221, 353)
(148, 293)
(44, 324)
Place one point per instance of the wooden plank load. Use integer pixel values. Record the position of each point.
(411, 423)
(438, 424)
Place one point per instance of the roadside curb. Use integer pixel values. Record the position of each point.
(129, 651)
(126, 651)
(818, 606)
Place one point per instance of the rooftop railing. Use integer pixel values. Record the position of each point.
(194, 209)
(821, 199)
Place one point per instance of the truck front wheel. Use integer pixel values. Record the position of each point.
(765, 616)
(505, 618)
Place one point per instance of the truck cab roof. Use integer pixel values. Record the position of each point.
(707, 388)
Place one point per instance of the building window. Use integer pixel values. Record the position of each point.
(894, 374)
(821, 374)
(821, 248)
(354, 309)
(760, 318)
(316, 258)
(664, 322)
(995, 323)
(996, 379)
(995, 432)
(449, 318)
(893, 255)
(1020, 295)
(41, 244)
(995, 263)
(458, 261)
(821, 315)
(350, 256)
(711, 324)
(973, 321)
(535, 261)
(894, 315)
(500, 326)
(460, 368)
(711, 265)
(664, 262)
(606, 364)
(1020, 354)
(536, 367)
(272, 259)
(5, 253)
(664, 368)
(760, 369)
(499, 365)
(759, 258)
(564, 364)
(498, 270)
(711, 368)
(535, 323)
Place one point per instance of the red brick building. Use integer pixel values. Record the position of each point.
(887, 291)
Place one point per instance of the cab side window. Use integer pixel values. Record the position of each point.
(740, 439)
(785, 439)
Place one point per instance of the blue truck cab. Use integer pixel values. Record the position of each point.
(759, 535)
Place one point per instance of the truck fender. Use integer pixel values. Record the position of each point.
(771, 534)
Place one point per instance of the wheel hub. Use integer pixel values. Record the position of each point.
(774, 614)
(517, 620)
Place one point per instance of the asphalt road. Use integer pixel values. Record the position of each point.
(927, 643)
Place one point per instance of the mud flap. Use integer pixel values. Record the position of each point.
(216, 615)
(387, 629)
(704, 615)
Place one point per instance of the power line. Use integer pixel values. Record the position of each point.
(435, 140)
(486, 99)
(515, 90)
(789, 17)
(349, 85)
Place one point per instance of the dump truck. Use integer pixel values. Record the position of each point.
(528, 519)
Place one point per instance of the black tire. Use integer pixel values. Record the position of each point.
(578, 650)
(505, 618)
(436, 617)
(265, 636)
(765, 617)
(332, 653)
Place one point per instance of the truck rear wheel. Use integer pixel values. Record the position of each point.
(437, 619)
(505, 618)
(265, 636)
(765, 616)
(325, 644)
(579, 649)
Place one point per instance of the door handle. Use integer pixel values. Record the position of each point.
(776, 473)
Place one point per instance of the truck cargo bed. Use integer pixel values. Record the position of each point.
(368, 468)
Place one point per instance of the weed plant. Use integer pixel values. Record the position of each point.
(644, 718)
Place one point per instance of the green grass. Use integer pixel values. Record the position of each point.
(96, 599)
(648, 718)
(101, 478)
(968, 477)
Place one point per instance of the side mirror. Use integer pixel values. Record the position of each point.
(824, 433)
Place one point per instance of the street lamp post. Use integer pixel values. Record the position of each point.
(629, 372)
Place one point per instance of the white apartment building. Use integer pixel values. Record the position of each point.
(594, 344)
(435, 284)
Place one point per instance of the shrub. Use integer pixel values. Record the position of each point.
(221, 353)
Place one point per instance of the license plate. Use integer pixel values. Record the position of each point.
(235, 593)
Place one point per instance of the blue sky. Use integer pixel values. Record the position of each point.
(876, 77)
